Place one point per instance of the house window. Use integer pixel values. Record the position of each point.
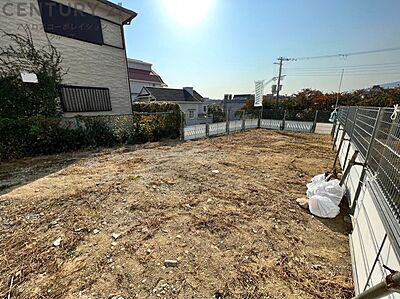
(205, 109)
(191, 113)
(69, 22)
(85, 99)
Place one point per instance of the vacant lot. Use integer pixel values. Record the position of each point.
(224, 208)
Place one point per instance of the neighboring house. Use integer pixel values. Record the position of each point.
(388, 85)
(214, 102)
(142, 75)
(89, 34)
(233, 105)
(190, 101)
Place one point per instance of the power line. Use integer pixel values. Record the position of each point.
(338, 73)
(354, 70)
(365, 70)
(377, 65)
(370, 72)
(345, 55)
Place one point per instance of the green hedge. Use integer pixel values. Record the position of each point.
(153, 107)
(43, 135)
(153, 121)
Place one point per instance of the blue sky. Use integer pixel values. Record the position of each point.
(238, 41)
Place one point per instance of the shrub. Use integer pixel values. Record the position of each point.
(19, 99)
(154, 121)
(97, 132)
(30, 136)
(43, 135)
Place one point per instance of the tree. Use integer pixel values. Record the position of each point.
(249, 105)
(217, 113)
(19, 99)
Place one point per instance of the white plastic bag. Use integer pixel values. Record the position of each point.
(316, 183)
(318, 178)
(334, 191)
(324, 197)
(323, 207)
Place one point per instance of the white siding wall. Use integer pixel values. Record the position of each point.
(112, 34)
(89, 64)
(185, 107)
(368, 233)
(198, 109)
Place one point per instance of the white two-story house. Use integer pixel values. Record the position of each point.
(141, 74)
(90, 36)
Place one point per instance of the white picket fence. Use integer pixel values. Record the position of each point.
(208, 130)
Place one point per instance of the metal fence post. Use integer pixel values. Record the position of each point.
(315, 122)
(342, 139)
(207, 130)
(284, 120)
(390, 285)
(375, 262)
(338, 150)
(352, 162)
(335, 122)
(244, 121)
(350, 138)
(336, 136)
(337, 132)
(367, 158)
(182, 133)
(227, 120)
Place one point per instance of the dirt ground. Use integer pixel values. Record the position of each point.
(223, 208)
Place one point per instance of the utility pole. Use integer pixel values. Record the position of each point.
(281, 60)
(340, 89)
